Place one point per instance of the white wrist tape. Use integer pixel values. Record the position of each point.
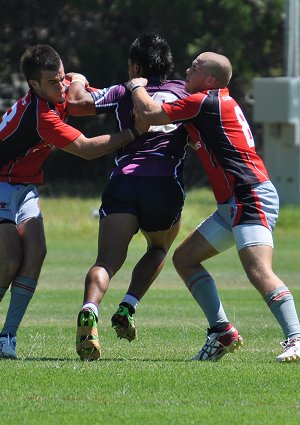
(77, 79)
(132, 86)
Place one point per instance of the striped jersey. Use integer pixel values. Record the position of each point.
(28, 130)
(223, 142)
(161, 151)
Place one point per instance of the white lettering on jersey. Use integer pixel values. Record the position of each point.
(245, 126)
(8, 116)
(163, 97)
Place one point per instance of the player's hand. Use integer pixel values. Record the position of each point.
(75, 76)
(134, 83)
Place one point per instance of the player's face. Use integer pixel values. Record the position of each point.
(51, 87)
(197, 78)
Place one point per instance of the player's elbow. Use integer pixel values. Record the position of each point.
(80, 107)
(72, 105)
(82, 147)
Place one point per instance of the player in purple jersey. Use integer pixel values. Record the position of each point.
(152, 154)
(145, 192)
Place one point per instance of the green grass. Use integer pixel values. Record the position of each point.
(151, 380)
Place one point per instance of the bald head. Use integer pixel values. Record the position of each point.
(217, 65)
(207, 72)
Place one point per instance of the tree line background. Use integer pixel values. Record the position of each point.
(93, 37)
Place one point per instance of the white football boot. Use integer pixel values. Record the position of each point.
(291, 351)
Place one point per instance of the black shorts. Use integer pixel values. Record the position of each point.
(156, 201)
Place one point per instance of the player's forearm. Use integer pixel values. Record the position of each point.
(146, 109)
(94, 147)
(79, 100)
(144, 103)
(108, 143)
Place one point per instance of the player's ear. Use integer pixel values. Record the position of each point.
(134, 69)
(211, 80)
(139, 70)
(34, 84)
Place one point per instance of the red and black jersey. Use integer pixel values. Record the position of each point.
(223, 141)
(28, 130)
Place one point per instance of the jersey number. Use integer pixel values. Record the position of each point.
(162, 97)
(245, 126)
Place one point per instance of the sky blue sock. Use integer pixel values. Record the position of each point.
(204, 290)
(22, 290)
(281, 304)
(131, 299)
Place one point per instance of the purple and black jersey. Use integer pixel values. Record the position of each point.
(161, 151)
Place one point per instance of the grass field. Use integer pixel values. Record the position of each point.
(151, 380)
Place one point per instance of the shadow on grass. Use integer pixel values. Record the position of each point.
(75, 360)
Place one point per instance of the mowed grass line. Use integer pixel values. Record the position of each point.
(151, 380)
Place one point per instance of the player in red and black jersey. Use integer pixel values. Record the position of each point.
(28, 130)
(247, 202)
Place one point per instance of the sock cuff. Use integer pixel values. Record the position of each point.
(131, 300)
(92, 306)
(24, 285)
(197, 278)
(278, 294)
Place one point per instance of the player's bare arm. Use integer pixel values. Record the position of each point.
(79, 100)
(146, 109)
(94, 147)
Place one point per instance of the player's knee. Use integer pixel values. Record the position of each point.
(41, 253)
(260, 277)
(9, 269)
(178, 259)
(32, 261)
(158, 250)
(110, 268)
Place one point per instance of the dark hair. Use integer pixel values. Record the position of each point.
(153, 54)
(37, 59)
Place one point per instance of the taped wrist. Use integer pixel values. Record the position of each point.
(131, 86)
(80, 78)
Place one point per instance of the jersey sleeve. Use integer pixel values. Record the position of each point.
(185, 109)
(54, 131)
(108, 99)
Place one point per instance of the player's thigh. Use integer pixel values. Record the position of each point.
(10, 252)
(162, 239)
(257, 263)
(256, 260)
(119, 196)
(217, 232)
(193, 250)
(160, 203)
(32, 236)
(115, 233)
